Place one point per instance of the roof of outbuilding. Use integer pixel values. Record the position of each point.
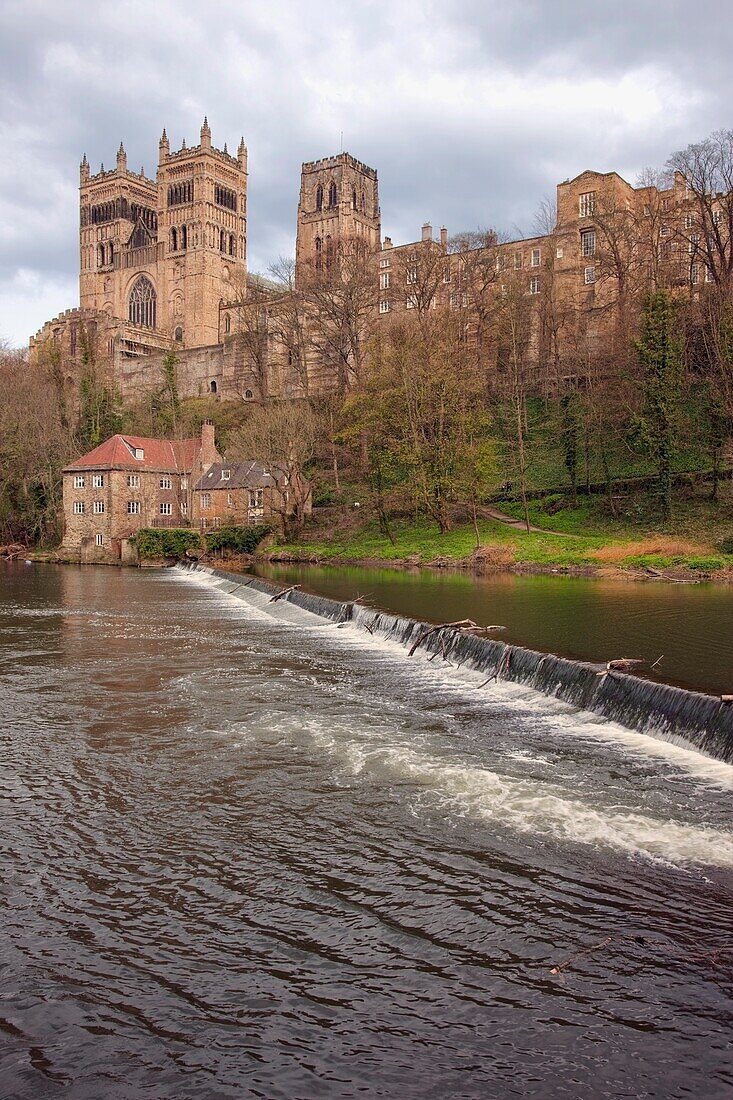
(242, 475)
(118, 453)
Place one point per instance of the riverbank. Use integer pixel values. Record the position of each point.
(627, 552)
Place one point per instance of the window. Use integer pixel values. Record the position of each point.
(695, 274)
(178, 334)
(694, 242)
(212, 386)
(558, 253)
(139, 453)
(227, 323)
(224, 197)
(78, 507)
(447, 275)
(256, 497)
(319, 197)
(180, 192)
(99, 540)
(410, 301)
(647, 210)
(230, 500)
(248, 393)
(588, 242)
(184, 508)
(412, 275)
(332, 194)
(708, 275)
(79, 481)
(206, 500)
(688, 221)
(590, 275)
(165, 483)
(184, 238)
(142, 303)
(587, 204)
(664, 231)
(384, 281)
(97, 481)
(225, 475)
(166, 508)
(133, 481)
(535, 257)
(716, 217)
(385, 263)
(518, 260)
(98, 507)
(133, 507)
(534, 285)
(174, 239)
(184, 484)
(384, 306)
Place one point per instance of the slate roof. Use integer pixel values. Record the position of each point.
(242, 475)
(118, 453)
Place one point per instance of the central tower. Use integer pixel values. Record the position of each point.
(339, 201)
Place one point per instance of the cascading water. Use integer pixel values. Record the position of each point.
(703, 721)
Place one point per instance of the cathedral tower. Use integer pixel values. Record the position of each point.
(339, 201)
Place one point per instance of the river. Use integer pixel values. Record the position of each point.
(249, 853)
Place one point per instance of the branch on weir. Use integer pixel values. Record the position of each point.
(284, 592)
(466, 626)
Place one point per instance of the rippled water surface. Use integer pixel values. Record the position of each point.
(249, 853)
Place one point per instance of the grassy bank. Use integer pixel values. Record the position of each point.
(699, 541)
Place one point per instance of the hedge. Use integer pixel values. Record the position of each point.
(242, 540)
(173, 542)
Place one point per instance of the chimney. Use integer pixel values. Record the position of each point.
(387, 242)
(427, 231)
(209, 454)
(443, 237)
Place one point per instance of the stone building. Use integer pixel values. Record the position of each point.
(130, 482)
(163, 269)
(242, 494)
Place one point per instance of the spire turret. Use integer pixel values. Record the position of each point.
(84, 169)
(121, 159)
(242, 155)
(205, 134)
(163, 147)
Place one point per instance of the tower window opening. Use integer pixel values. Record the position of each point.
(248, 393)
(212, 386)
(319, 197)
(353, 199)
(319, 255)
(178, 335)
(180, 192)
(174, 239)
(184, 237)
(142, 303)
(232, 245)
(222, 241)
(227, 323)
(332, 194)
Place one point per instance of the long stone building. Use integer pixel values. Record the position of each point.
(163, 273)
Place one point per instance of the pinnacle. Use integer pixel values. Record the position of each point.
(164, 136)
(122, 148)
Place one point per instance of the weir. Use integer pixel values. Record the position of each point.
(703, 722)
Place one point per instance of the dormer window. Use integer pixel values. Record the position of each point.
(139, 454)
(225, 475)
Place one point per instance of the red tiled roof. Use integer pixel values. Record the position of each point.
(118, 453)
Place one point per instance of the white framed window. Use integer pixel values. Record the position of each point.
(410, 301)
(688, 221)
(226, 475)
(384, 306)
(166, 508)
(384, 280)
(589, 275)
(385, 262)
(708, 275)
(587, 204)
(184, 508)
(98, 507)
(98, 481)
(534, 285)
(230, 500)
(647, 210)
(535, 257)
(204, 522)
(99, 540)
(184, 483)
(133, 481)
(79, 481)
(165, 483)
(694, 242)
(256, 499)
(412, 275)
(694, 274)
(664, 231)
(558, 253)
(133, 507)
(447, 275)
(78, 507)
(716, 217)
(588, 242)
(139, 453)
(518, 260)
(206, 500)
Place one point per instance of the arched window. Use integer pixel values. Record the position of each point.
(212, 386)
(353, 199)
(142, 303)
(319, 257)
(222, 241)
(184, 237)
(178, 335)
(363, 203)
(227, 323)
(329, 252)
(100, 255)
(232, 245)
(111, 254)
(248, 393)
(332, 194)
(174, 239)
(319, 197)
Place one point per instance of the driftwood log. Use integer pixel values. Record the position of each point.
(284, 592)
(467, 626)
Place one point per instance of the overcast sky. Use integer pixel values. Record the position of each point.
(470, 110)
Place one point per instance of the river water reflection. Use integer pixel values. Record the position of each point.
(688, 626)
(249, 854)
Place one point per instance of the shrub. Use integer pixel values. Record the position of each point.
(171, 542)
(242, 540)
(324, 497)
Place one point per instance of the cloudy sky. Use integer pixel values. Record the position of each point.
(471, 110)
